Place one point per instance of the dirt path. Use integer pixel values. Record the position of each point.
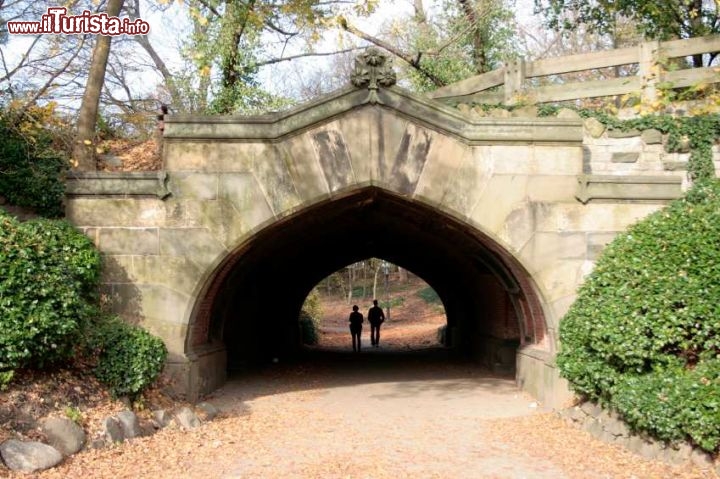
(371, 415)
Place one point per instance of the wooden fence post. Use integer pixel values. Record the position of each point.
(649, 70)
(514, 79)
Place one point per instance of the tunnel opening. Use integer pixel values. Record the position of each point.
(413, 313)
(251, 303)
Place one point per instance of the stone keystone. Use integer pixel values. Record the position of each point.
(373, 69)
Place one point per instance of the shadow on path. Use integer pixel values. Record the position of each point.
(411, 372)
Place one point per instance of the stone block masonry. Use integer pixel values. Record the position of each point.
(169, 239)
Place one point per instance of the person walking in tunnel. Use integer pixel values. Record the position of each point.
(376, 317)
(356, 322)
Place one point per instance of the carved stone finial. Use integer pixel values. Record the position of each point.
(373, 68)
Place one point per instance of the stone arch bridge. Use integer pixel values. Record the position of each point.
(503, 217)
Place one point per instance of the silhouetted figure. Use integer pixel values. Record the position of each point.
(356, 322)
(376, 318)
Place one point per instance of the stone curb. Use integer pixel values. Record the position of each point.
(609, 427)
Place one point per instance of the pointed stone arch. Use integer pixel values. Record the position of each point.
(242, 179)
(503, 188)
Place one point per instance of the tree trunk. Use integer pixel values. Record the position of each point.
(84, 149)
(402, 273)
(697, 27)
(478, 36)
(377, 270)
(364, 279)
(420, 16)
(144, 41)
(350, 284)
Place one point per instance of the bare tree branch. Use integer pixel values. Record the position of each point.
(274, 27)
(450, 41)
(144, 42)
(273, 61)
(41, 91)
(209, 7)
(21, 63)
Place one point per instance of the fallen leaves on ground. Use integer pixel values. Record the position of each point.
(579, 454)
(143, 155)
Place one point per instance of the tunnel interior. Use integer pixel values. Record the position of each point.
(252, 302)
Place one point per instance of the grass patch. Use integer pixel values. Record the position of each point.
(429, 296)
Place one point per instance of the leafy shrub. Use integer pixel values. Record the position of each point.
(429, 295)
(308, 328)
(395, 302)
(74, 414)
(6, 378)
(48, 275)
(31, 168)
(309, 318)
(643, 336)
(129, 358)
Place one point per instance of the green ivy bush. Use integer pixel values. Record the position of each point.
(643, 336)
(31, 168)
(129, 359)
(309, 318)
(429, 296)
(308, 328)
(48, 275)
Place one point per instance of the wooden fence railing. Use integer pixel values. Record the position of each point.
(649, 56)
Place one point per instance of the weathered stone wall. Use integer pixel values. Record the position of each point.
(513, 180)
(643, 153)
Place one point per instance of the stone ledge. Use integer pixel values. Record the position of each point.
(628, 188)
(120, 184)
(424, 111)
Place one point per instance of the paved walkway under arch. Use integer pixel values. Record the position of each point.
(419, 415)
(373, 415)
(376, 415)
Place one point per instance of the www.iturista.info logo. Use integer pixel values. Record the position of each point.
(57, 21)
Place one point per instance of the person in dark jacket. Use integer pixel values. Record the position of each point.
(376, 317)
(356, 322)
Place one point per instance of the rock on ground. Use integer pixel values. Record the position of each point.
(64, 435)
(594, 127)
(112, 430)
(206, 411)
(187, 419)
(129, 424)
(568, 114)
(161, 418)
(29, 456)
